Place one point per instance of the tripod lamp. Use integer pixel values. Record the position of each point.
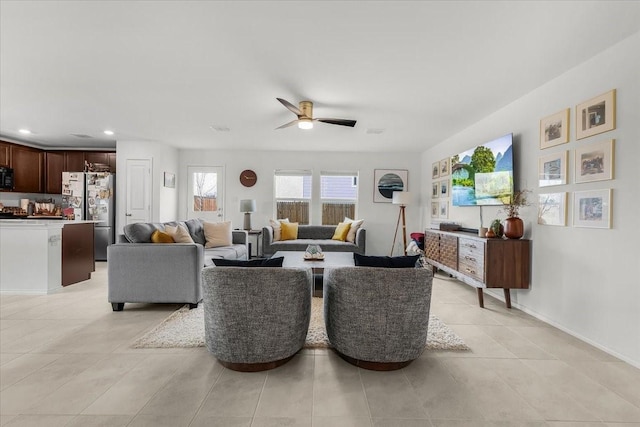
(247, 206)
(401, 198)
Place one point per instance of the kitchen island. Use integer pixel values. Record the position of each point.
(41, 256)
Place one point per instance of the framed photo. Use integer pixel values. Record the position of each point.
(386, 181)
(592, 208)
(444, 209)
(554, 129)
(444, 188)
(435, 209)
(594, 162)
(444, 167)
(552, 209)
(435, 170)
(170, 180)
(596, 115)
(435, 190)
(552, 169)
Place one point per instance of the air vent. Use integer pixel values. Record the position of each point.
(81, 135)
(220, 128)
(374, 131)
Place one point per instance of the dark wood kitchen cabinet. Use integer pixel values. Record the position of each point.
(96, 157)
(54, 166)
(28, 169)
(74, 161)
(4, 153)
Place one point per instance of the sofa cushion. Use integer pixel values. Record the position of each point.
(267, 262)
(276, 228)
(161, 237)
(217, 234)
(140, 232)
(289, 230)
(341, 231)
(385, 261)
(355, 225)
(179, 233)
(196, 229)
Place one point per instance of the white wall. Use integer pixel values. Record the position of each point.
(585, 281)
(380, 218)
(163, 158)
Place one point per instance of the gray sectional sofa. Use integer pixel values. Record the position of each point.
(143, 272)
(313, 234)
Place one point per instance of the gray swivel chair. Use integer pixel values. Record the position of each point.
(255, 318)
(377, 318)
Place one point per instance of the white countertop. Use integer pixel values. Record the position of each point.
(39, 223)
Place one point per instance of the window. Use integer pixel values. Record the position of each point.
(205, 193)
(338, 195)
(293, 195)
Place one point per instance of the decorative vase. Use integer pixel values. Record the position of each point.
(489, 234)
(513, 228)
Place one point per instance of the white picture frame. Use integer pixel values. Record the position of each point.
(592, 208)
(552, 169)
(386, 181)
(444, 209)
(554, 129)
(552, 209)
(435, 190)
(594, 162)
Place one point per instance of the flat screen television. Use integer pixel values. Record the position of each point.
(483, 175)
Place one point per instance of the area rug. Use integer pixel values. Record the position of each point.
(185, 328)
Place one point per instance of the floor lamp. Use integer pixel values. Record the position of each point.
(247, 206)
(401, 198)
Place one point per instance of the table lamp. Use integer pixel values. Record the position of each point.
(401, 198)
(247, 206)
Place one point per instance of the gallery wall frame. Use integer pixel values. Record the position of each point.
(596, 115)
(554, 129)
(552, 169)
(444, 209)
(444, 188)
(435, 170)
(170, 180)
(552, 209)
(594, 162)
(445, 167)
(386, 181)
(592, 208)
(435, 209)
(435, 190)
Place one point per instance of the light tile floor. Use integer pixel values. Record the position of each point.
(66, 360)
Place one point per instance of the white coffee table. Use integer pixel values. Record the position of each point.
(331, 259)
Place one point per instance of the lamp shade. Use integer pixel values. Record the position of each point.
(247, 205)
(401, 198)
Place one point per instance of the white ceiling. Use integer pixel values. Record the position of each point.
(168, 71)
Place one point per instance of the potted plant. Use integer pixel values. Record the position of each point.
(497, 228)
(513, 225)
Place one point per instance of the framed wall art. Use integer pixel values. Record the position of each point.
(386, 181)
(554, 129)
(435, 209)
(552, 209)
(444, 188)
(596, 115)
(435, 170)
(592, 208)
(594, 162)
(170, 180)
(552, 169)
(444, 167)
(444, 209)
(435, 190)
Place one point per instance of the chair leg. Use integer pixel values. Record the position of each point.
(117, 306)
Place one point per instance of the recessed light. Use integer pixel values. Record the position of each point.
(25, 131)
(108, 132)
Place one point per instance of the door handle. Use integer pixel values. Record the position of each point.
(127, 214)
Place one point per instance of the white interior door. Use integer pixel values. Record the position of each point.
(138, 191)
(205, 197)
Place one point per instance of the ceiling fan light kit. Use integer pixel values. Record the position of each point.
(305, 116)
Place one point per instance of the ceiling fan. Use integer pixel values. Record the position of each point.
(305, 116)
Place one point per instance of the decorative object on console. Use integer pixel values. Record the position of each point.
(248, 178)
(596, 115)
(401, 198)
(247, 206)
(386, 182)
(554, 129)
(497, 228)
(513, 225)
(594, 162)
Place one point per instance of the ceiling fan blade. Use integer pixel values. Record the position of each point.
(295, 110)
(341, 122)
(286, 125)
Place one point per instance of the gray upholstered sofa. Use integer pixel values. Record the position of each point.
(313, 234)
(377, 318)
(256, 318)
(143, 272)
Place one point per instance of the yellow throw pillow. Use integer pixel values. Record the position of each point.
(276, 228)
(289, 230)
(341, 231)
(355, 225)
(179, 233)
(161, 237)
(217, 234)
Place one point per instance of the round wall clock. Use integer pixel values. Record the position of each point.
(248, 178)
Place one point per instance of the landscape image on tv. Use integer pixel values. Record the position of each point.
(483, 175)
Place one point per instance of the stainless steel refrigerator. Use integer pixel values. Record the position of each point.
(91, 196)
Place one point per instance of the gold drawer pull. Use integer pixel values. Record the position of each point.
(467, 257)
(470, 271)
(472, 246)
